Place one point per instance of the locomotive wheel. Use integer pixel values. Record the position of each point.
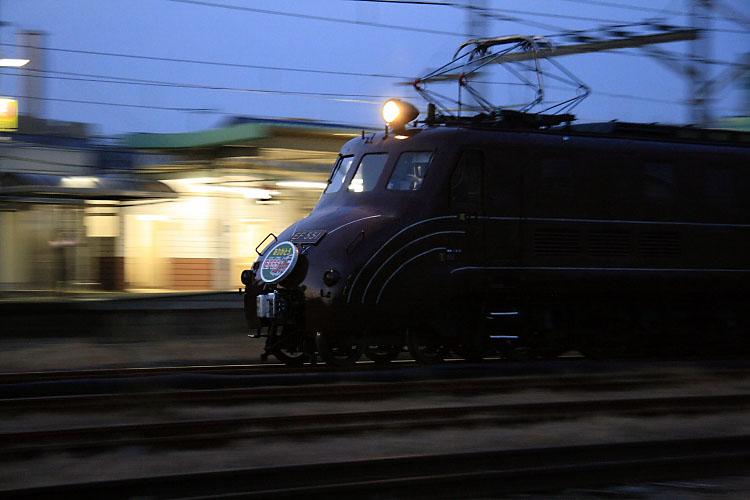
(286, 346)
(290, 357)
(337, 353)
(383, 354)
(425, 350)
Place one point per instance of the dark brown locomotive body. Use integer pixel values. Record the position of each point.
(477, 239)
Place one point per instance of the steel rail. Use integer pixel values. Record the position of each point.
(348, 391)
(463, 475)
(184, 434)
(149, 371)
(231, 369)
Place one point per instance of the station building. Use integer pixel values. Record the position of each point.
(153, 212)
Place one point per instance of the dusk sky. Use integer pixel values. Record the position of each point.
(193, 64)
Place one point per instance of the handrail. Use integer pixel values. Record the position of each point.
(275, 239)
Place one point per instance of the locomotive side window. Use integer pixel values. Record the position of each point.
(466, 182)
(338, 175)
(368, 172)
(410, 171)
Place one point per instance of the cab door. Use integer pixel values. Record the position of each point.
(467, 202)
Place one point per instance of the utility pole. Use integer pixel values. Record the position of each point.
(701, 90)
(696, 67)
(476, 19)
(477, 27)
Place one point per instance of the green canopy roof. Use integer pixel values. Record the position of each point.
(204, 139)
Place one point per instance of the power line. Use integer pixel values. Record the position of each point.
(350, 21)
(317, 18)
(597, 19)
(117, 104)
(627, 7)
(535, 24)
(409, 2)
(211, 63)
(561, 16)
(170, 108)
(324, 95)
(115, 80)
(82, 77)
(344, 97)
(462, 6)
(496, 12)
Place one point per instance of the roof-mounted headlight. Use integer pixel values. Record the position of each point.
(398, 113)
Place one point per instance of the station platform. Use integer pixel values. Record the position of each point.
(116, 314)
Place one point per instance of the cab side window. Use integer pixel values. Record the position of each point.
(466, 182)
(410, 171)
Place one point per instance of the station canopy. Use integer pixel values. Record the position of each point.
(24, 185)
(272, 149)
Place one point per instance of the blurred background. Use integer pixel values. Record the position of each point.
(151, 145)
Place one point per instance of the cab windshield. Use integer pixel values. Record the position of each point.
(340, 169)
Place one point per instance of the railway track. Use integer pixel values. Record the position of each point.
(86, 397)
(117, 373)
(203, 432)
(465, 475)
(360, 367)
(143, 419)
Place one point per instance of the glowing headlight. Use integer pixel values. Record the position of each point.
(390, 111)
(398, 113)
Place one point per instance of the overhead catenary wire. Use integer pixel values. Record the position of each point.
(351, 21)
(588, 2)
(636, 8)
(317, 18)
(343, 97)
(336, 96)
(495, 11)
(599, 3)
(204, 62)
(331, 96)
(274, 68)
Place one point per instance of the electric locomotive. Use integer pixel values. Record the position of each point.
(516, 235)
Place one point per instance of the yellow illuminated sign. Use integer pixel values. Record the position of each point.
(8, 114)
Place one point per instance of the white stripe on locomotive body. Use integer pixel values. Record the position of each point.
(617, 269)
(352, 222)
(613, 221)
(645, 222)
(375, 254)
(364, 294)
(540, 219)
(382, 289)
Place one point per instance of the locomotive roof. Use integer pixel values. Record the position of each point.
(527, 122)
